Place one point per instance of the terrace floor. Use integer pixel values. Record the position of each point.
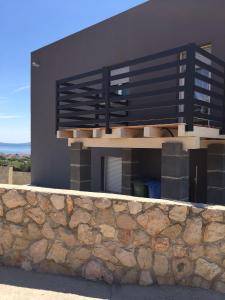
(17, 284)
(148, 136)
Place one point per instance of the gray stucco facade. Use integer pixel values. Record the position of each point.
(149, 28)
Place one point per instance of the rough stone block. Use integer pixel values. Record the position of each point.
(174, 172)
(215, 162)
(80, 168)
(80, 157)
(175, 166)
(216, 174)
(80, 172)
(84, 185)
(216, 149)
(216, 178)
(177, 189)
(173, 149)
(77, 146)
(127, 190)
(216, 195)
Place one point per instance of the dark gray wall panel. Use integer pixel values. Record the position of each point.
(154, 26)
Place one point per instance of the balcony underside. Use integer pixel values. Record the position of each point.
(151, 137)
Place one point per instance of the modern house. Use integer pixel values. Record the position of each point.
(139, 96)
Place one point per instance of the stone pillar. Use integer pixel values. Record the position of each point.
(129, 170)
(216, 174)
(174, 172)
(80, 168)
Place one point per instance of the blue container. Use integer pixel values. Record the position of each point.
(154, 188)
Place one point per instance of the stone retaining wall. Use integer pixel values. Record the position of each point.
(112, 237)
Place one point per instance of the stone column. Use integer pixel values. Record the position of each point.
(216, 174)
(174, 172)
(129, 170)
(80, 168)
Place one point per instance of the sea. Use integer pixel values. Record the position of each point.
(7, 148)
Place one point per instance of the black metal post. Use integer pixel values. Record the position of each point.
(189, 88)
(106, 97)
(56, 108)
(222, 131)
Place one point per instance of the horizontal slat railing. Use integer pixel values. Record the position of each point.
(211, 57)
(209, 80)
(79, 76)
(210, 87)
(151, 57)
(162, 67)
(184, 84)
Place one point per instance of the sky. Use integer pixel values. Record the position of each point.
(26, 25)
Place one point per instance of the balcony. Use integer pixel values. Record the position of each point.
(184, 85)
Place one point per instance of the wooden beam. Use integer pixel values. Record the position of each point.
(64, 134)
(126, 132)
(80, 133)
(148, 143)
(118, 132)
(200, 131)
(151, 131)
(100, 133)
(97, 132)
(138, 132)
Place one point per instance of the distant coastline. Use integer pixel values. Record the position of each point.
(15, 149)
